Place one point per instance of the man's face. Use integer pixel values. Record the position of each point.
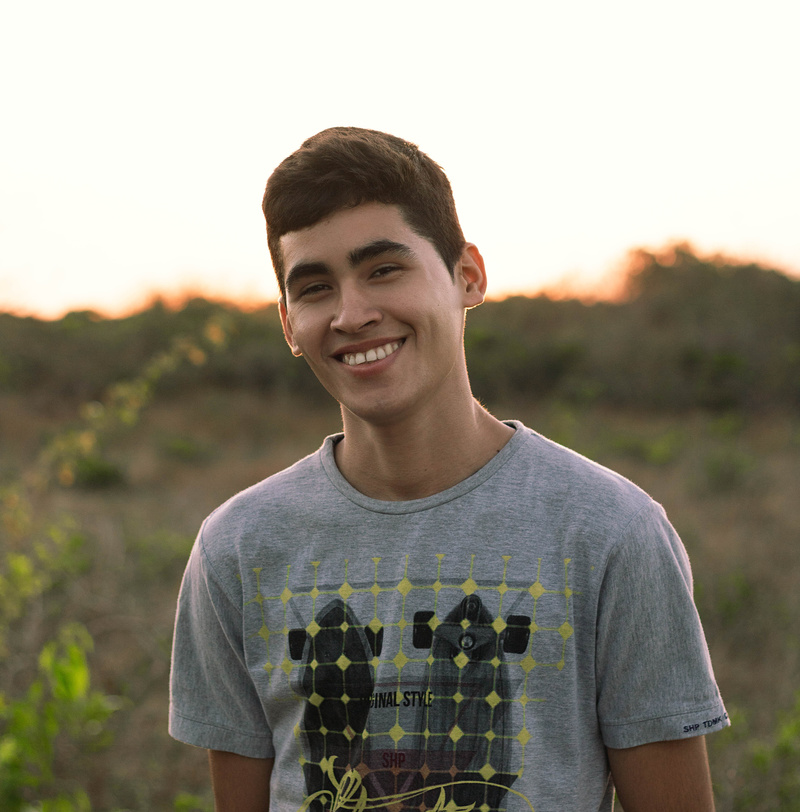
(374, 310)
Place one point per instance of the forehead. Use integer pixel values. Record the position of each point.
(333, 238)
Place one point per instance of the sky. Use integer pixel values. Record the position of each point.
(136, 138)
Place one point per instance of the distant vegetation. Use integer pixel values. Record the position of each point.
(118, 436)
(688, 332)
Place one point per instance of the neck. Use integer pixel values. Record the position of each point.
(420, 456)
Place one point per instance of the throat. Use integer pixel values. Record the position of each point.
(403, 466)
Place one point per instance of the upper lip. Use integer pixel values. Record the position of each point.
(363, 346)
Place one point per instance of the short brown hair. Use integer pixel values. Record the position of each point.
(343, 167)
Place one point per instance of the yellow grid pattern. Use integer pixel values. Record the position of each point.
(440, 595)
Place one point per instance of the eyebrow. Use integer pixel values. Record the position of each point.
(375, 249)
(363, 253)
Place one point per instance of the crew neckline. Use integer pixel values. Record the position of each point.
(426, 503)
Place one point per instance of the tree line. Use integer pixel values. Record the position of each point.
(687, 332)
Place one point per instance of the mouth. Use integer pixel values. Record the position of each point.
(354, 359)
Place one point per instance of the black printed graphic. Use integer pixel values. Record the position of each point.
(418, 683)
(337, 681)
(456, 739)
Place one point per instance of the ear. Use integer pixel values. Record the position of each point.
(471, 273)
(286, 322)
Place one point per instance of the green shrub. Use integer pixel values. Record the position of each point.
(94, 472)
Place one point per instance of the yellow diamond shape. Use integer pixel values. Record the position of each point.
(287, 666)
(345, 590)
(402, 623)
(456, 733)
(286, 595)
(314, 593)
(458, 697)
(313, 628)
(528, 664)
(469, 586)
(568, 593)
(400, 659)
(565, 630)
(536, 589)
(343, 662)
(461, 659)
(263, 632)
(375, 590)
(487, 771)
(523, 737)
(396, 733)
(493, 699)
(375, 625)
(345, 698)
(315, 699)
(344, 626)
(495, 661)
(499, 625)
(502, 589)
(491, 736)
(349, 733)
(404, 587)
(268, 667)
(437, 585)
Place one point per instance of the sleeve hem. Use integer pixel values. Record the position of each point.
(211, 737)
(685, 725)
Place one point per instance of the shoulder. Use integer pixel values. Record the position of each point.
(253, 516)
(565, 478)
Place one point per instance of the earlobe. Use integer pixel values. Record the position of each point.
(473, 275)
(287, 328)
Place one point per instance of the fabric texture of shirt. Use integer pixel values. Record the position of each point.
(481, 646)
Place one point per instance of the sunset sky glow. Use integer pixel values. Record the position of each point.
(137, 137)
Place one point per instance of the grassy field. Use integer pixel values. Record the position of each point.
(728, 481)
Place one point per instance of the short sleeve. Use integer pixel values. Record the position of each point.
(654, 676)
(213, 701)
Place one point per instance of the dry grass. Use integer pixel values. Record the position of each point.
(729, 485)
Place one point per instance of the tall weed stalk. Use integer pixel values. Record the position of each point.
(49, 711)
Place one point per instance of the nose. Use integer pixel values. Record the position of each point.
(355, 310)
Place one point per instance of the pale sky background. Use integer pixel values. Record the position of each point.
(136, 138)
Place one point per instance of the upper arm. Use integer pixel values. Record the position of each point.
(240, 784)
(671, 776)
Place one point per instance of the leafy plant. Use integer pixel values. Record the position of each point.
(56, 713)
(59, 704)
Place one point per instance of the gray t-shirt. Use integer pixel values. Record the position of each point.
(480, 646)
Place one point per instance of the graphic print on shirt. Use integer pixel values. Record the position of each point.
(415, 695)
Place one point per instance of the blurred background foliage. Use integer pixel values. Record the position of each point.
(686, 332)
(118, 436)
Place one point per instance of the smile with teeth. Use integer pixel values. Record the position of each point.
(375, 354)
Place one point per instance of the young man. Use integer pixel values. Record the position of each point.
(437, 610)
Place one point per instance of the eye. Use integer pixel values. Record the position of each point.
(384, 270)
(312, 290)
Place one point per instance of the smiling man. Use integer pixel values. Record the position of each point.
(438, 609)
